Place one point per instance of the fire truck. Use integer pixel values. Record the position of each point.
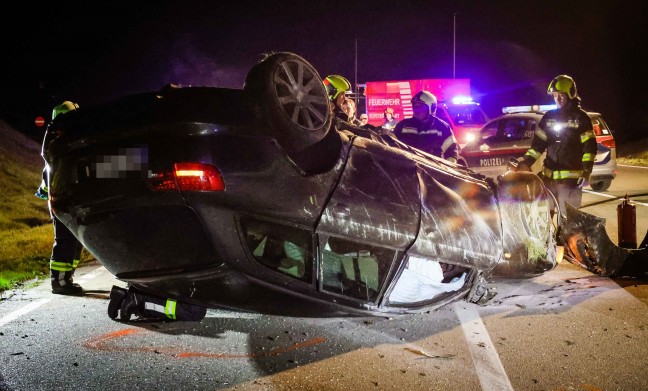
(455, 106)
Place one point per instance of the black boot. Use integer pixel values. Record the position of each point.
(69, 288)
(62, 283)
(117, 296)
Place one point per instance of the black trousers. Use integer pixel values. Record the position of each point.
(66, 253)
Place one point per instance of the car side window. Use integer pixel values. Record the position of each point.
(605, 129)
(530, 129)
(424, 280)
(600, 127)
(354, 269)
(287, 250)
(513, 129)
(489, 131)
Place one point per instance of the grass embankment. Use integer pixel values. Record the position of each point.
(26, 231)
(634, 153)
(25, 227)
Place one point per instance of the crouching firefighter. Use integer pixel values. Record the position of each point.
(131, 301)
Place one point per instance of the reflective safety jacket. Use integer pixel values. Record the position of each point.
(568, 137)
(389, 125)
(431, 135)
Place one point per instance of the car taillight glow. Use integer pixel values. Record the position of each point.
(610, 143)
(188, 177)
(198, 177)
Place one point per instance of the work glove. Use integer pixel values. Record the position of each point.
(517, 165)
(40, 193)
(583, 181)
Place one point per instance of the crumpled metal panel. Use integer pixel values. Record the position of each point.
(528, 230)
(459, 220)
(589, 246)
(376, 199)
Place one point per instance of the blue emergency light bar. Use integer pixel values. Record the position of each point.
(525, 109)
(462, 100)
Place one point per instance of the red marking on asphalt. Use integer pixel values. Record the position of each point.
(272, 352)
(103, 343)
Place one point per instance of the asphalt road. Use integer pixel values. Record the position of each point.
(565, 330)
(630, 180)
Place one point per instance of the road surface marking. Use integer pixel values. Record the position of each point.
(102, 343)
(33, 305)
(482, 351)
(22, 311)
(612, 196)
(627, 165)
(224, 314)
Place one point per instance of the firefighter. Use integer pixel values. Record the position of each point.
(566, 134)
(427, 132)
(66, 251)
(349, 108)
(390, 121)
(337, 88)
(134, 302)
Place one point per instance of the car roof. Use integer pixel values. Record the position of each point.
(535, 114)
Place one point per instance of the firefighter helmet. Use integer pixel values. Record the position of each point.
(426, 98)
(64, 108)
(336, 85)
(563, 83)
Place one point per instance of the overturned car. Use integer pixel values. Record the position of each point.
(207, 194)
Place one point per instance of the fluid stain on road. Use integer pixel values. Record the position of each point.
(107, 342)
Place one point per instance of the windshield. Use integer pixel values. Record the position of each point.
(466, 114)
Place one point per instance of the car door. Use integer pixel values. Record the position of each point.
(371, 218)
(502, 139)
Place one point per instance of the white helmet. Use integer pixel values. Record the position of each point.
(427, 98)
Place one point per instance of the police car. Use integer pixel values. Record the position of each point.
(509, 136)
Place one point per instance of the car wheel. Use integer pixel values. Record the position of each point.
(600, 185)
(289, 94)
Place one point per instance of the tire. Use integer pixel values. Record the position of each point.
(288, 94)
(601, 185)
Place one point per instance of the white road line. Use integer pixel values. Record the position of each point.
(612, 196)
(482, 351)
(22, 311)
(627, 165)
(33, 305)
(225, 314)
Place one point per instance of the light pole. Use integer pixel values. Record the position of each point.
(454, 42)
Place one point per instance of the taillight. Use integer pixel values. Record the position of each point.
(608, 143)
(188, 177)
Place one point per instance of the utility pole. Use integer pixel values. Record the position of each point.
(355, 80)
(454, 42)
(355, 76)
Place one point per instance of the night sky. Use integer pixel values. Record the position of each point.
(510, 50)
